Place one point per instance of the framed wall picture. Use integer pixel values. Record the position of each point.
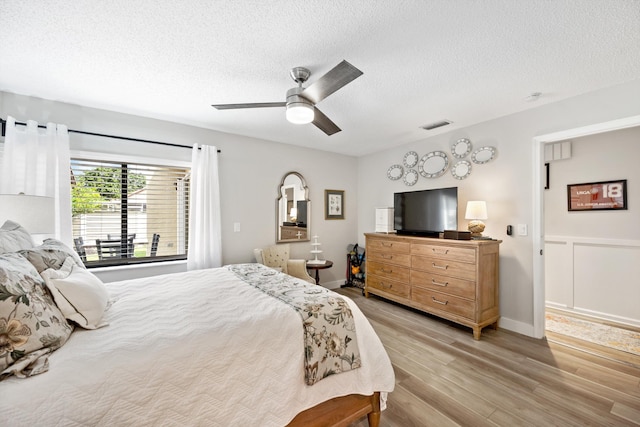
(333, 204)
(597, 196)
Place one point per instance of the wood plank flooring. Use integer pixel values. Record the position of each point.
(446, 378)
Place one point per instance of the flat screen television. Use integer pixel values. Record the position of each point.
(426, 212)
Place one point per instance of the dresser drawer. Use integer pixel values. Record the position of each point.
(444, 284)
(390, 271)
(443, 267)
(439, 301)
(444, 252)
(387, 245)
(390, 257)
(389, 286)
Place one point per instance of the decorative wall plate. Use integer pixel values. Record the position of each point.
(410, 177)
(410, 159)
(483, 155)
(395, 172)
(461, 148)
(461, 169)
(433, 164)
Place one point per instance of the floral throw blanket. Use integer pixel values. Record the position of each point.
(329, 330)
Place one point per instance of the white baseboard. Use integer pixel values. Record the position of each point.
(333, 285)
(516, 326)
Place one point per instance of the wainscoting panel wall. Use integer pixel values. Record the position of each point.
(591, 276)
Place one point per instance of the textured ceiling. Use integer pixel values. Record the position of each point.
(467, 61)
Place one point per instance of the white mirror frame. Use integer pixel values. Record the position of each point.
(461, 169)
(461, 148)
(395, 172)
(410, 177)
(410, 159)
(427, 158)
(479, 156)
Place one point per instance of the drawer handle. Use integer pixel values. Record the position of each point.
(388, 245)
(445, 252)
(440, 302)
(387, 256)
(439, 266)
(386, 271)
(439, 284)
(384, 285)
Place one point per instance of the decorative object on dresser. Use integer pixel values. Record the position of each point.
(333, 204)
(476, 212)
(453, 279)
(384, 220)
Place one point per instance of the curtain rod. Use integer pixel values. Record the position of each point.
(169, 144)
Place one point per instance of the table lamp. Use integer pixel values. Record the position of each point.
(476, 212)
(35, 213)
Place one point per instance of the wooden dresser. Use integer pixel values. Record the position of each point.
(453, 279)
(292, 232)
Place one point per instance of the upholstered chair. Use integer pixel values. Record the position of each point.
(277, 257)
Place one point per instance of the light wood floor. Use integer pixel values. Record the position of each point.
(446, 378)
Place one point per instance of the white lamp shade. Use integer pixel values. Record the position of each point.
(299, 113)
(476, 210)
(35, 213)
(293, 213)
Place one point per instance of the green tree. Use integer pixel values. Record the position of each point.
(84, 200)
(106, 181)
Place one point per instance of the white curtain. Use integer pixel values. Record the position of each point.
(205, 237)
(36, 162)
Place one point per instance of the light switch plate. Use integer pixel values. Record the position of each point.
(522, 230)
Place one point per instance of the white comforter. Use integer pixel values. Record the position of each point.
(196, 348)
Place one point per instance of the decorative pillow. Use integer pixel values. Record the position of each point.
(31, 326)
(50, 254)
(80, 295)
(13, 238)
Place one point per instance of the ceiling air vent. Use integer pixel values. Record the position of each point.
(435, 125)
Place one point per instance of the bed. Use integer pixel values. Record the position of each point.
(197, 348)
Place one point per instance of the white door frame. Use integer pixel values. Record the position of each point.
(538, 205)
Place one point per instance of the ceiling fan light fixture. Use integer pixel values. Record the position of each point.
(299, 113)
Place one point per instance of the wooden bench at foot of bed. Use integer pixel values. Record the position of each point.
(340, 412)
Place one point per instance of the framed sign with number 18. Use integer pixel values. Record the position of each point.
(592, 196)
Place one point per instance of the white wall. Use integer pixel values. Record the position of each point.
(607, 156)
(506, 183)
(250, 173)
(593, 256)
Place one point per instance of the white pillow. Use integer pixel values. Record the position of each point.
(80, 295)
(14, 238)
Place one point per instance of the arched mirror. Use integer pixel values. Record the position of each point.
(293, 209)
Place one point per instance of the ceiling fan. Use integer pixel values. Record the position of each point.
(301, 102)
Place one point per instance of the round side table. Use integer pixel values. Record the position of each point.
(318, 267)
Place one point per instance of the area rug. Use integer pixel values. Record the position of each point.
(597, 333)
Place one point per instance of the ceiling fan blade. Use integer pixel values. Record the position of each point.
(339, 76)
(249, 105)
(324, 123)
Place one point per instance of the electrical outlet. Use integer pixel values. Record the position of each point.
(236, 227)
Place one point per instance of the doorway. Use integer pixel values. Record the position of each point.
(539, 180)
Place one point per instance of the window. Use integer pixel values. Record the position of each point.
(147, 204)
